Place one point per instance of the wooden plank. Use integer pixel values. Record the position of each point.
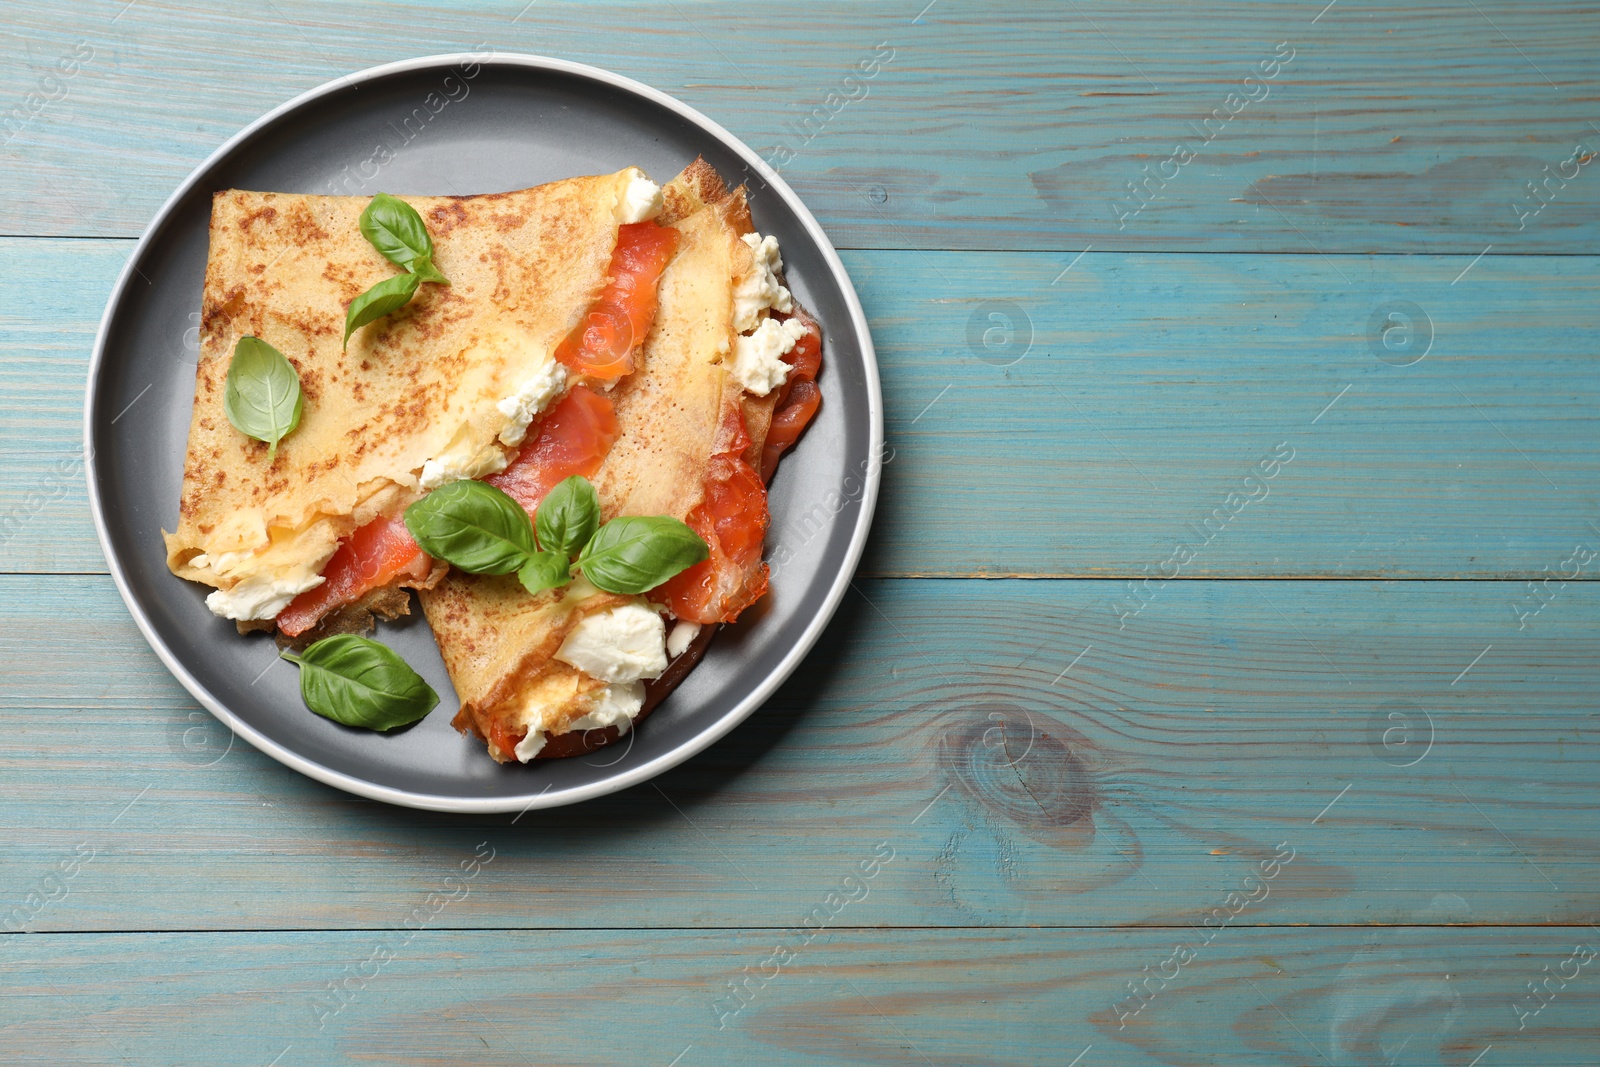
(1393, 127)
(49, 311)
(1159, 391)
(1150, 388)
(1029, 762)
(1248, 997)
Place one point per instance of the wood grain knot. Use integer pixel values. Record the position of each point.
(1001, 757)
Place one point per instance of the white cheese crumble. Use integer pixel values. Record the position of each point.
(534, 395)
(681, 638)
(533, 744)
(759, 291)
(616, 705)
(443, 470)
(758, 357)
(641, 201)
(621, 645)
(259, 596)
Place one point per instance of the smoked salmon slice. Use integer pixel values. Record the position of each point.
(732, 520)
(573, 438)
(603, 344)
(380, 553)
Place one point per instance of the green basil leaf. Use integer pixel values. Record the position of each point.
(545, 570)
(395, 229)
(474, 526)
(634, 554)
(568, 516)
(391, 294)
(358, 682)
(262, 397)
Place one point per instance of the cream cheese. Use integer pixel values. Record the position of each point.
(758, 357)
(619, 647)
(759, 291)
(616, 705)
(624, 644)
(681, 637)
(531, 398)
(260, 596)
(533, 744)
(641, 201)
(442, 470)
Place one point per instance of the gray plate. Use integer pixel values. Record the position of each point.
(465, 124)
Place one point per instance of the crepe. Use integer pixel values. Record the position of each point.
(676, 413)
(422, 384)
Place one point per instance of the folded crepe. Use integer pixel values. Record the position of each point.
(443, 388)
(565, 671)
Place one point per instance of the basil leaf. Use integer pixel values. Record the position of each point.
(262, 398)
(568, 516)
(634, 554)
(474, 526)
(545, 570)
(395, 229)
(358, 682)
(391, 294)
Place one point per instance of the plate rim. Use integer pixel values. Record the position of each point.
(549, 798)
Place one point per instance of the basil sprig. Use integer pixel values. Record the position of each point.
(262, 397)
(359, 682)
(476, 527)
(394, 228)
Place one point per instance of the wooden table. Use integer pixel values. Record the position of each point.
(1220, 684)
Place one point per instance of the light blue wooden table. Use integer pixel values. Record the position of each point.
(1220, 684)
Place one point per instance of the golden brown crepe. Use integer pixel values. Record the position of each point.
(498, 641)
(421, 384)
